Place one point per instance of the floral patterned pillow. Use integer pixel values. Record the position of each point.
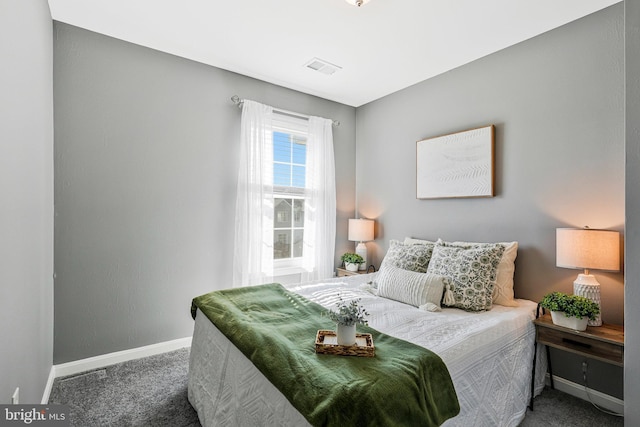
(473, 272)
(503, 291)
(408, 257)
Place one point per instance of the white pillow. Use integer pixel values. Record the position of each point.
(412, 241)
(418, 289)
(503, 290)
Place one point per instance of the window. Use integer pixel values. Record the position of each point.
(286, 202)
(289, 158)
(288, 228)
(289, 169)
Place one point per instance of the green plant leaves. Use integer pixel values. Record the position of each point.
(571, 305)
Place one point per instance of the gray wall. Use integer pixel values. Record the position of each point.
(557, 102)
(26, 190)
(632, 283)
(146, 148)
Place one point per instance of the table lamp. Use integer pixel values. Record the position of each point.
(586, 248)
(361, 230)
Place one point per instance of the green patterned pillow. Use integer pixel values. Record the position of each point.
(503, 291)
(408, 257)
(473, 272)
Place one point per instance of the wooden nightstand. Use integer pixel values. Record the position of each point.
(604, 343)
(341, 272)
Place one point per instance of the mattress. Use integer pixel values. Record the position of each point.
(489, 356)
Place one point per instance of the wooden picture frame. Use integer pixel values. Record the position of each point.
(456, 165)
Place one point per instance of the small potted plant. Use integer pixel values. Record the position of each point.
(570, 311)
(352, 261)
(347, 316)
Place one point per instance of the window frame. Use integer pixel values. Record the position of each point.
(295, 126)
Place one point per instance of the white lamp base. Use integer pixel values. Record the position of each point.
(587, 286)
(361, 249)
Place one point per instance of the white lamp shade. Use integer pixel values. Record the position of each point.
(585, 248)
(361, 230)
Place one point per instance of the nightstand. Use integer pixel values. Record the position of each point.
(604, 343)
(341, 272)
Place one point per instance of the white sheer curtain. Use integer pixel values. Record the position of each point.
(320, 202)
(253, 243)
(253, 246)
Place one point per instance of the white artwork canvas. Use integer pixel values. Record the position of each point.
(456, 165)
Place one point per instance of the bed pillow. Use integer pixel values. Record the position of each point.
(472, 271)
(421, 290)
(412, 241)
(503, 291)
(408, 257)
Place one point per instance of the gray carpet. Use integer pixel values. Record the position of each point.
(146, 392)
(153, 392)
(555, 408)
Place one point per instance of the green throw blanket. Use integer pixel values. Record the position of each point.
(404, 384)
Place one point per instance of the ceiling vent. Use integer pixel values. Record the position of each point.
(322, 66)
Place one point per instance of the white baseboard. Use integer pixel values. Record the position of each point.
(577, 390)
(47, 387)
(75, 367)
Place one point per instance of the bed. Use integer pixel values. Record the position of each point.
(488, 353)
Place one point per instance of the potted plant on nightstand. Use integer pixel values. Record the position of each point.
(351, 261)
(347, 316)
(570, 311)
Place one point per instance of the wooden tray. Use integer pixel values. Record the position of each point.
(327, 343)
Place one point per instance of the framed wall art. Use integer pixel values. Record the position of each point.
(456, 165)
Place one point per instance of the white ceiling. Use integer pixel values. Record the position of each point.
(382, 47)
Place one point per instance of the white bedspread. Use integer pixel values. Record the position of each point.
(489, 356)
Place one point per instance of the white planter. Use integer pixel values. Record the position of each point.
(561, 319)
(351, 266)
(346, 335)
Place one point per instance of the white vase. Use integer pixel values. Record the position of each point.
(351, 266)
(561, 319)
(346, 334)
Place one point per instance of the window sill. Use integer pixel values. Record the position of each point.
(287, 271)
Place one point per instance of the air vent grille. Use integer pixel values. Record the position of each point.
(322, 66)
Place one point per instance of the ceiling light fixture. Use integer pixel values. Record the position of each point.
(357, 2)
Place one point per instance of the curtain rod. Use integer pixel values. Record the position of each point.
(238, 101)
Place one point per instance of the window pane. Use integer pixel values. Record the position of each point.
(299, 153)
(281, 174)
(289, 181)
(298, 177)
(282, 213)
(297, 243)
(281, 244)
(298, 213)
(281, 147)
